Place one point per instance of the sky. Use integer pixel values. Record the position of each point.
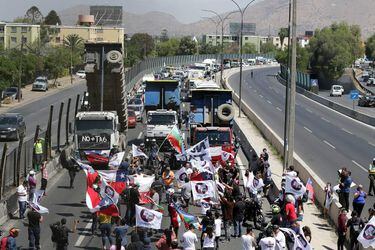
(186, 11)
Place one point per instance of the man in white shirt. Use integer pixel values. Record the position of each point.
(218, 223)
(22, 199)
(189, 238)
(248, 239)
(280, 238)
(269, 242)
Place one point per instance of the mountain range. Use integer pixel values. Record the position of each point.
(269, 17)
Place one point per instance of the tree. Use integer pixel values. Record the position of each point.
(231, 48)
(142, 44)
(21, 20)
(52, 18)
(164, 35)
(73, 42)
(334, 48)
(34, 15)
(187, 46)
(370, 47)
(56, 62)
(249, 48)
(267, 47)
(283, 32)
(303, 58)
(167, 48)
(207, 48)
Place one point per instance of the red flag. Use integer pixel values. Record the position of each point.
(310, 188)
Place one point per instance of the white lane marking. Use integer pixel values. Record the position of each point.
(359, 165)
(279, 109)
(309, 130)
(372, 144)
(347, 131)
(269, 102)
(309, 110)
(324, 119)
(140, 135)
(260, 96)
(329, 144)
(82, 237)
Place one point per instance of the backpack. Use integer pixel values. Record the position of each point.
(4, 243)
(356, 228)
(56, 232)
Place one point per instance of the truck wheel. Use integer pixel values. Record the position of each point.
(225, 112)
(114, 56)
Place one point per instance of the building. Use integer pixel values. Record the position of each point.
(87, 33)
(215, 40)
(107, 15)
(276, 41)
(248, 29)
(12, 34)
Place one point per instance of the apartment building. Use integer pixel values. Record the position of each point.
(12, 34)
(215, 40)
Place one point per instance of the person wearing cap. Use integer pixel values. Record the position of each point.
(38, 153)
(22, 199)
(279, 237)
(9, 242)
(371, 176)
(34, 219)
(248, 239)
(31, 180)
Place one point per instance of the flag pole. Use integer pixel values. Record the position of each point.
(165, 139)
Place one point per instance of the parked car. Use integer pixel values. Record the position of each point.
(370, 82)
(11, 92)
(132, 120)
(40, 84)
(366, 101)
(81, 74)
(12, 126)
(336, 90)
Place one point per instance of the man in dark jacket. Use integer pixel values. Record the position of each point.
(136, 243)
(355, 225)
(238, 216)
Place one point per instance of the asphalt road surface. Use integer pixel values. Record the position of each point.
(37, 113)
(326, 140)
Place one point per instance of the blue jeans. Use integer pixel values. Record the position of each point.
(22, 209)
(34, 237)
(237, 228)
(106, 229)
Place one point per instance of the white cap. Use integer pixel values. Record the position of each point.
(32, 172)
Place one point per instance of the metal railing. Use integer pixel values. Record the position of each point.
(303, 79)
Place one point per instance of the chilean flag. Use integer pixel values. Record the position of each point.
(310, 188)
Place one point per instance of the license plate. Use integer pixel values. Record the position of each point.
(3, 136)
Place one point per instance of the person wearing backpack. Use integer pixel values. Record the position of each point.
(355, 225)
(9, 242)
(60, 233)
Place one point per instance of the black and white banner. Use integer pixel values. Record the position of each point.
(294, 186)
(254, 184)
(300, 242)
(204, 189)
(147, 218)
(198, 152)
(367, 235)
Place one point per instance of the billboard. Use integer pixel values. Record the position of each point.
(106, 15)
(249, 29)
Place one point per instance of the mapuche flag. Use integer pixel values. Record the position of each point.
(175, 139)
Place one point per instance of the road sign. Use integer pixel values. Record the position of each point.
(354, 95)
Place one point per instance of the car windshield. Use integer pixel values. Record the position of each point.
(216, 138)
(84, 125)
(41, 79)
(8, 120)
(14, 90)
(336, 88)
(131, 113)
(159, 119)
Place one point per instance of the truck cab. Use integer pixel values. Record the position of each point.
(159, 125)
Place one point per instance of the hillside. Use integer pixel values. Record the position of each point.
(269, 16)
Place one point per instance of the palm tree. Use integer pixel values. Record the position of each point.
(284, 32)
(72, 41)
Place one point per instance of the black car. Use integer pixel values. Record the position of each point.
(11, 92)
(12, 126)
(366, 101)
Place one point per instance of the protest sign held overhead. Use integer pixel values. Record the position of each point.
(147, 218)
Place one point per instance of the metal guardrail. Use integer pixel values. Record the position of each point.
(303, 79)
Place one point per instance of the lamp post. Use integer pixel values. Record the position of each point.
(222, 20)
(242, 12)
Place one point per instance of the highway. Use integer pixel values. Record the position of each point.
(325, 139)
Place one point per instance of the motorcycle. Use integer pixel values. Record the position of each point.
(254, 211)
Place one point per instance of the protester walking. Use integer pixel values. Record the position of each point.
(238, 216)
(9, 242)
(218, 222)
(165, 241)
(355, 225)
(268, 242)
(371, 176)
(31, 180)
(189, 239)
(62, 237)
(44, 180)
(173, 215)
(105, 227)
(167, 177)
(341, 229)
(279, 237)
(248, 239)
(38, 153)
(209, 239)
(120, 232)
(359, 200)
(186, 193)
(34, 220)
(227, 205)
(22, 199)
(73, 169)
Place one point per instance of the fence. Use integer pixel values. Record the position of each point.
(134, 74)
(303, 79)
(17, 160)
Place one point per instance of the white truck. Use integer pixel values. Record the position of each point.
(159, 124)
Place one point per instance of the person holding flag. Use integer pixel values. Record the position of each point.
(176, 140)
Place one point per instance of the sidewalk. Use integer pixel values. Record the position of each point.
(29, 96)
(323, 234)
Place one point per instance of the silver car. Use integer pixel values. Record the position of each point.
(40, 84)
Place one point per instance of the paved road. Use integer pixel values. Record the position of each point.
(325, 139)
(37, 112)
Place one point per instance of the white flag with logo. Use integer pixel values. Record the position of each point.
(181, 175)
(300, 242)
(35, 203)
(294, 186)
(116, 159)
(137, 152)
(147, 218)
(203, 189)
(199, 152)
(367, 235)
(203, 166)
(254, 184)
(225, 156)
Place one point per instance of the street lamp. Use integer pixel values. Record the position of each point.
(222, 20)
(242, 11)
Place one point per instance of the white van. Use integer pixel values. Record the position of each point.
(336, 90)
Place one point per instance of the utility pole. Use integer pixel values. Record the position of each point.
(102, 81)
(287, 90)
(293, 84)
(20, 72)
